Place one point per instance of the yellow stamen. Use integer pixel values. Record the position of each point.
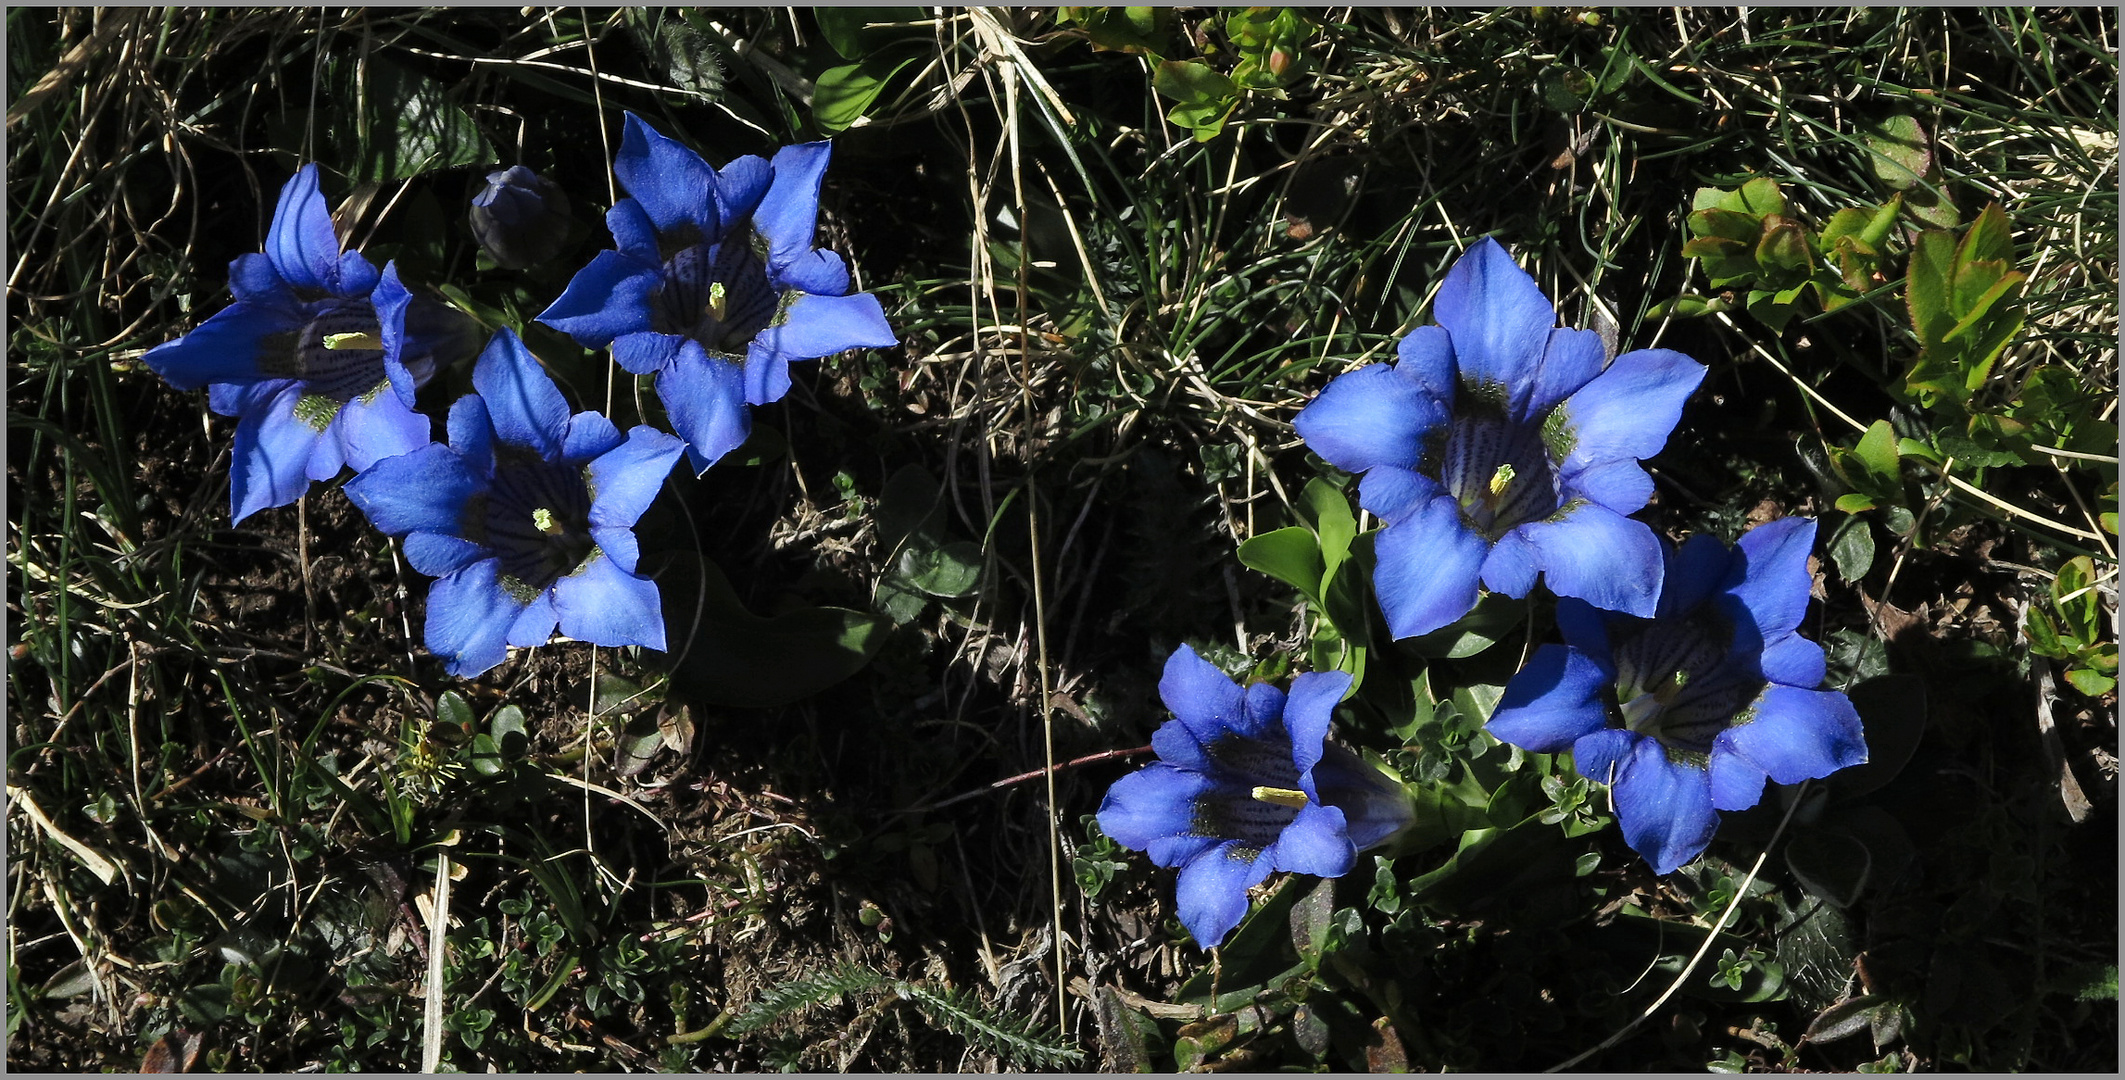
(1500, 480)
(718, 300)
(1281, 796)
(363, 340)
(544, 519)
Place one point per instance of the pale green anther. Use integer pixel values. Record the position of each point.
(544, 519)
(718, 300)
(1281, 796)
(1500, 479)
(360, 340)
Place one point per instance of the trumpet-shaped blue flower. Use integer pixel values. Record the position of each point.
(318, 358)
(715, 286)
(527, 517)
(520, 217)
(1685, 714)
(1246, 784)
(1497, 447)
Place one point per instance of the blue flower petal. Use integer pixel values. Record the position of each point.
(1211, 897)
(605, 605)
(1152, 810)
(253, 279)
(633, 233)
(619, 544)
(1553, 702)
(371, 431)
(1628, 410)
(1621, 485)
(819, 272)
(1393, 493)
(421, 492)
(740, 185)
(272, 455)
(671, 183)
(647, 353)
(1795, 734)
(606, 300)
(588, 436)
(469, 614)
(1177, 747)
(1375, 807)
(1601, 557)
(1308, 711)
(1663, 806)
(1427, 569)
(818, 326)
(437, 555)
(301, 243)
(1200, 696)
(471, 435)
(1570, 359)
(1316, 842)
(1600, 756)
(1694, 571)
(357, 275)
(1512, 565)
(534, 625)
(1770, 574)
(1261, 713)
(1794, 661)
(223, 349)
(1426, 355)
(1585, 628)
(328, 455)
(705, 400)
(627, 478)
(789, 214)
(1497, 315)
(391, 300)
(1373, 416)
(1736, 784)
(523, 405)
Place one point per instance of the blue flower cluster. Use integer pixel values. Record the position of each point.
(1498, 449)
(526, 516)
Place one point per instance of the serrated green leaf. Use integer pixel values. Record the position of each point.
(1899, 150)
(1762, 197)
(1928, 276)
(2091, 682)
(1784, 245)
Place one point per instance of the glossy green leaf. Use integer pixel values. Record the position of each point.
(841, 95)
(1851, 546)
(1291, 555)
(723, 654)
(949, 570)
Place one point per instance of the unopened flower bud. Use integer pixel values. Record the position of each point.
(521, 218)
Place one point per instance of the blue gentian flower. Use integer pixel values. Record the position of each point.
(1246, 784)
(1686, 713)
(527, 517)
(318, 358)
(1498, 447)
(520, 218)
(715, 286)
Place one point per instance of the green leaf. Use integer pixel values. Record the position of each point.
(1761, 197)
(1892, 716)
(1830, 864)
(841, 95)
(1291, 555)
(1206, 97)
(949, 570)
(843, 28)
(1928, 276)
(1855, 503)
(1714, 223)
(1327, 510)
(1494, 616)
(1989, 240)
(506, 727)
(1899, 150)
(450, 708)
(1877, 452)
(406, 124)
(2091, 682)
(724, 654)
(1784, 245)
(1852, 545)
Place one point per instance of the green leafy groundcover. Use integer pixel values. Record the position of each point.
(1121, 249)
